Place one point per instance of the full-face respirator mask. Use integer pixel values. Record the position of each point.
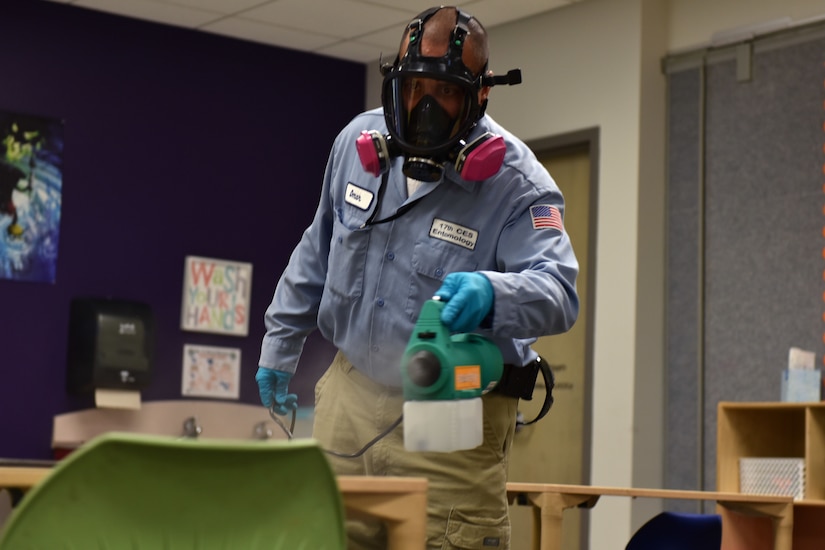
(431, 105)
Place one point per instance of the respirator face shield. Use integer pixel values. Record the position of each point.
(431, 104)
(428, 114)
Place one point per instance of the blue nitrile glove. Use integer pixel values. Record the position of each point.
(469, 298)
(272, 385)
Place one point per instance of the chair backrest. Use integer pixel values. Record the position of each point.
(140, 491)
(679, 531)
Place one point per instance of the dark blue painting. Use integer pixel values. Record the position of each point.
(31, 182)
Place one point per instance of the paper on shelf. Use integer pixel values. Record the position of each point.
(801, 359)
(801, 385)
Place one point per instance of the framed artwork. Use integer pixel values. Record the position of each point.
(216, 296)
(210, 371)
(31, 189)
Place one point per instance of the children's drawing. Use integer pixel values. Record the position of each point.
(210, 371)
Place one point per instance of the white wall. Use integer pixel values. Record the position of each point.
(694, 22)
(596, 63)
(582, 69)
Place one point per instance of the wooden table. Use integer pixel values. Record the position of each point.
(550, 500)
(21, 477)
(400, 502)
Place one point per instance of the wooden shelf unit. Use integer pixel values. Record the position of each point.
(777, 430)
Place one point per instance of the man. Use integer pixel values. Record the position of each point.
(429, 197)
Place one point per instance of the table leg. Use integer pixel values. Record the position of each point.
(781, 515)
(404, 515)
(548, 515)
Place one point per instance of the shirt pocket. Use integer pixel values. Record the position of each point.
(347, 261)
(431, 262)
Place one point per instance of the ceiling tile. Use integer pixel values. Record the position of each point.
(342, 18)
(227, 7)
(411, 7)
(353, 51)
(386, 41)
(358, 30)
(152, 11)
(269, 34)
(496, 12)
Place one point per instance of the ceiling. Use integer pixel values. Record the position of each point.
(355, 30)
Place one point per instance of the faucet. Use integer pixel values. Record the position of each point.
(261, 431)
(191, 428)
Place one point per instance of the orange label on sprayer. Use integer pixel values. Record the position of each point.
(467, 377)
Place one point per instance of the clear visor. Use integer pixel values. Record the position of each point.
(428, 115)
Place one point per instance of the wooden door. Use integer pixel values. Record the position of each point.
(556, 449)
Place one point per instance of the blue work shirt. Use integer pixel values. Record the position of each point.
(362, 285)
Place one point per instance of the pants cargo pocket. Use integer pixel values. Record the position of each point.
(476, 533)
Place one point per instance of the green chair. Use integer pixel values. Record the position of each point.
(127, 491)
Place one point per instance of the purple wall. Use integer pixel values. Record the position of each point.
(176, 143)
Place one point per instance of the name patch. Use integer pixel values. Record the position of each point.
(358, 197)
(454, 233)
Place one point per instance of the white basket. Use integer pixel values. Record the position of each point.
(772, 476)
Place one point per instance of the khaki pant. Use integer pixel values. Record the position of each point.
(466, 501)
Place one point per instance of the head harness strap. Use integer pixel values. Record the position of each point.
(416, 27)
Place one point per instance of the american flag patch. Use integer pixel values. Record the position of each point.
(545, 215)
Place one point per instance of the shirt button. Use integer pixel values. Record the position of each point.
(439, 272)
(390, 256)
(380, 302)
(340, 240)
(375, 349)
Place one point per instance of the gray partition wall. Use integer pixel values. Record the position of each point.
(745, 239)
